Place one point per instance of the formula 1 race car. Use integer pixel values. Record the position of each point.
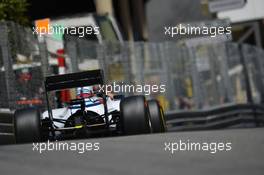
(92, 113)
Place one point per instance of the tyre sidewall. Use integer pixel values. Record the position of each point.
(27, 125)
(156, 117)
(134, 115)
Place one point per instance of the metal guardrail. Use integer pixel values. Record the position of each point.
(229, 116)
(7, 135)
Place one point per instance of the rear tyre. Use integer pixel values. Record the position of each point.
(27, 125)
(134, 115)
(156, 117)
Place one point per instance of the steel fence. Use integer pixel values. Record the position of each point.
(194, 77)
(21, 74)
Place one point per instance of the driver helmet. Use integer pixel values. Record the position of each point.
(85, 92)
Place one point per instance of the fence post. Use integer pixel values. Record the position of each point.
(198, 95)
(71, 51)
(246, 75)
(167, 55)
(44, 58)
(260, 74)
(226, 78)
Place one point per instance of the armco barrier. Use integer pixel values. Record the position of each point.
(7, 134)
(229, 116)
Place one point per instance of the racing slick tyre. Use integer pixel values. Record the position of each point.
(27, 125)
(134, 115)
(156, 117)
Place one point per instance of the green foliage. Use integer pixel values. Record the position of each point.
(14, 10)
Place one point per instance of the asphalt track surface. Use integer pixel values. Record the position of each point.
(144, 154)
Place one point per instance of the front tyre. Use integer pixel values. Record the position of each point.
(156, 117)
(27, 125)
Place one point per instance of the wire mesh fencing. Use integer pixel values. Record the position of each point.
(194, 77)
(21, 65)
(181, 77)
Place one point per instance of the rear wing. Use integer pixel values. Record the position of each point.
(73, 80)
